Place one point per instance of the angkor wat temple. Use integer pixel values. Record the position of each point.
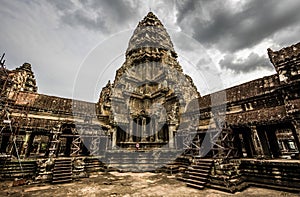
(152, 118)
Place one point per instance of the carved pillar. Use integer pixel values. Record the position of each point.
(25, 144)
(151, 132)
(172, 128)
(29, 145)
(127, 136)
(144, 129)
(137, 130)
(131, 131)
(156, 132)
(256, 142)
(113, 138)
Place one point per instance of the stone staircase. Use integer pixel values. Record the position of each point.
(94, 164)
(179, 165)
(62, 172)
(12, 169)
(138, 161)
(197, 174)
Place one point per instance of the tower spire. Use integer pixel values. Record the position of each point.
(150, 33)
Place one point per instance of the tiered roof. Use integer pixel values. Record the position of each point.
(150, 32)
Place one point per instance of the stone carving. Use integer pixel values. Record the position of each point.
(45, 167)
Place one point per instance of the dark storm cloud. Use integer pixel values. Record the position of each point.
(232, 28)
(105, 15)
(252, 62)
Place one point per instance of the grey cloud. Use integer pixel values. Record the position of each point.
(105, 16)
(80, 18)
(185, 7)
(230, 29)
(62, 5)
(251, 63)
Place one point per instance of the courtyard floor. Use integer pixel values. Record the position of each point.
(127, 184)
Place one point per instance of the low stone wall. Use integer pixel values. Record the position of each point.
(275, 174)
(237, 174)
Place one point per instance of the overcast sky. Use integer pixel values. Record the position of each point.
(59, 38)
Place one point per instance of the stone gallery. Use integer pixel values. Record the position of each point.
(152, 118)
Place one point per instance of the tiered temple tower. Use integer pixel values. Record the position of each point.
(150, 91)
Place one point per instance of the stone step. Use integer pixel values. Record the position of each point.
(17, 165)
(17, 168)
(62, 177)
(138, 162)
(62, 181)
(203, 160)
(62, 174)
(200, 166)
(201, 170)
(203, 163)
(195, 186)
(137, 158)
(58, 171)
(14, 171)
(200, 178)
(200, 174)
(193, 181)
(63, 167)
(63, 161)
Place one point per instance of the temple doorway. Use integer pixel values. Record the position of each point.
(243, 142)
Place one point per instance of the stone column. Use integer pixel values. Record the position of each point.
(156, 132)
(127, 134)
(171, 136)
(114, 138)
(137, 129)
(25, 144)
(130, 131)
(151, 132)
(29, 145)
(143, 129)
(256, 142)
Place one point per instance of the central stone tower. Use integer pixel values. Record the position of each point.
(150, 92)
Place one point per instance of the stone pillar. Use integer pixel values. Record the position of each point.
(144, 129)
(151, 132)
(130, 131)
(256, 142)
(156, 132)
(137, 130)
(114, 138)
(25, 144)
(29, 145)
(126, 134)
(172, 128)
